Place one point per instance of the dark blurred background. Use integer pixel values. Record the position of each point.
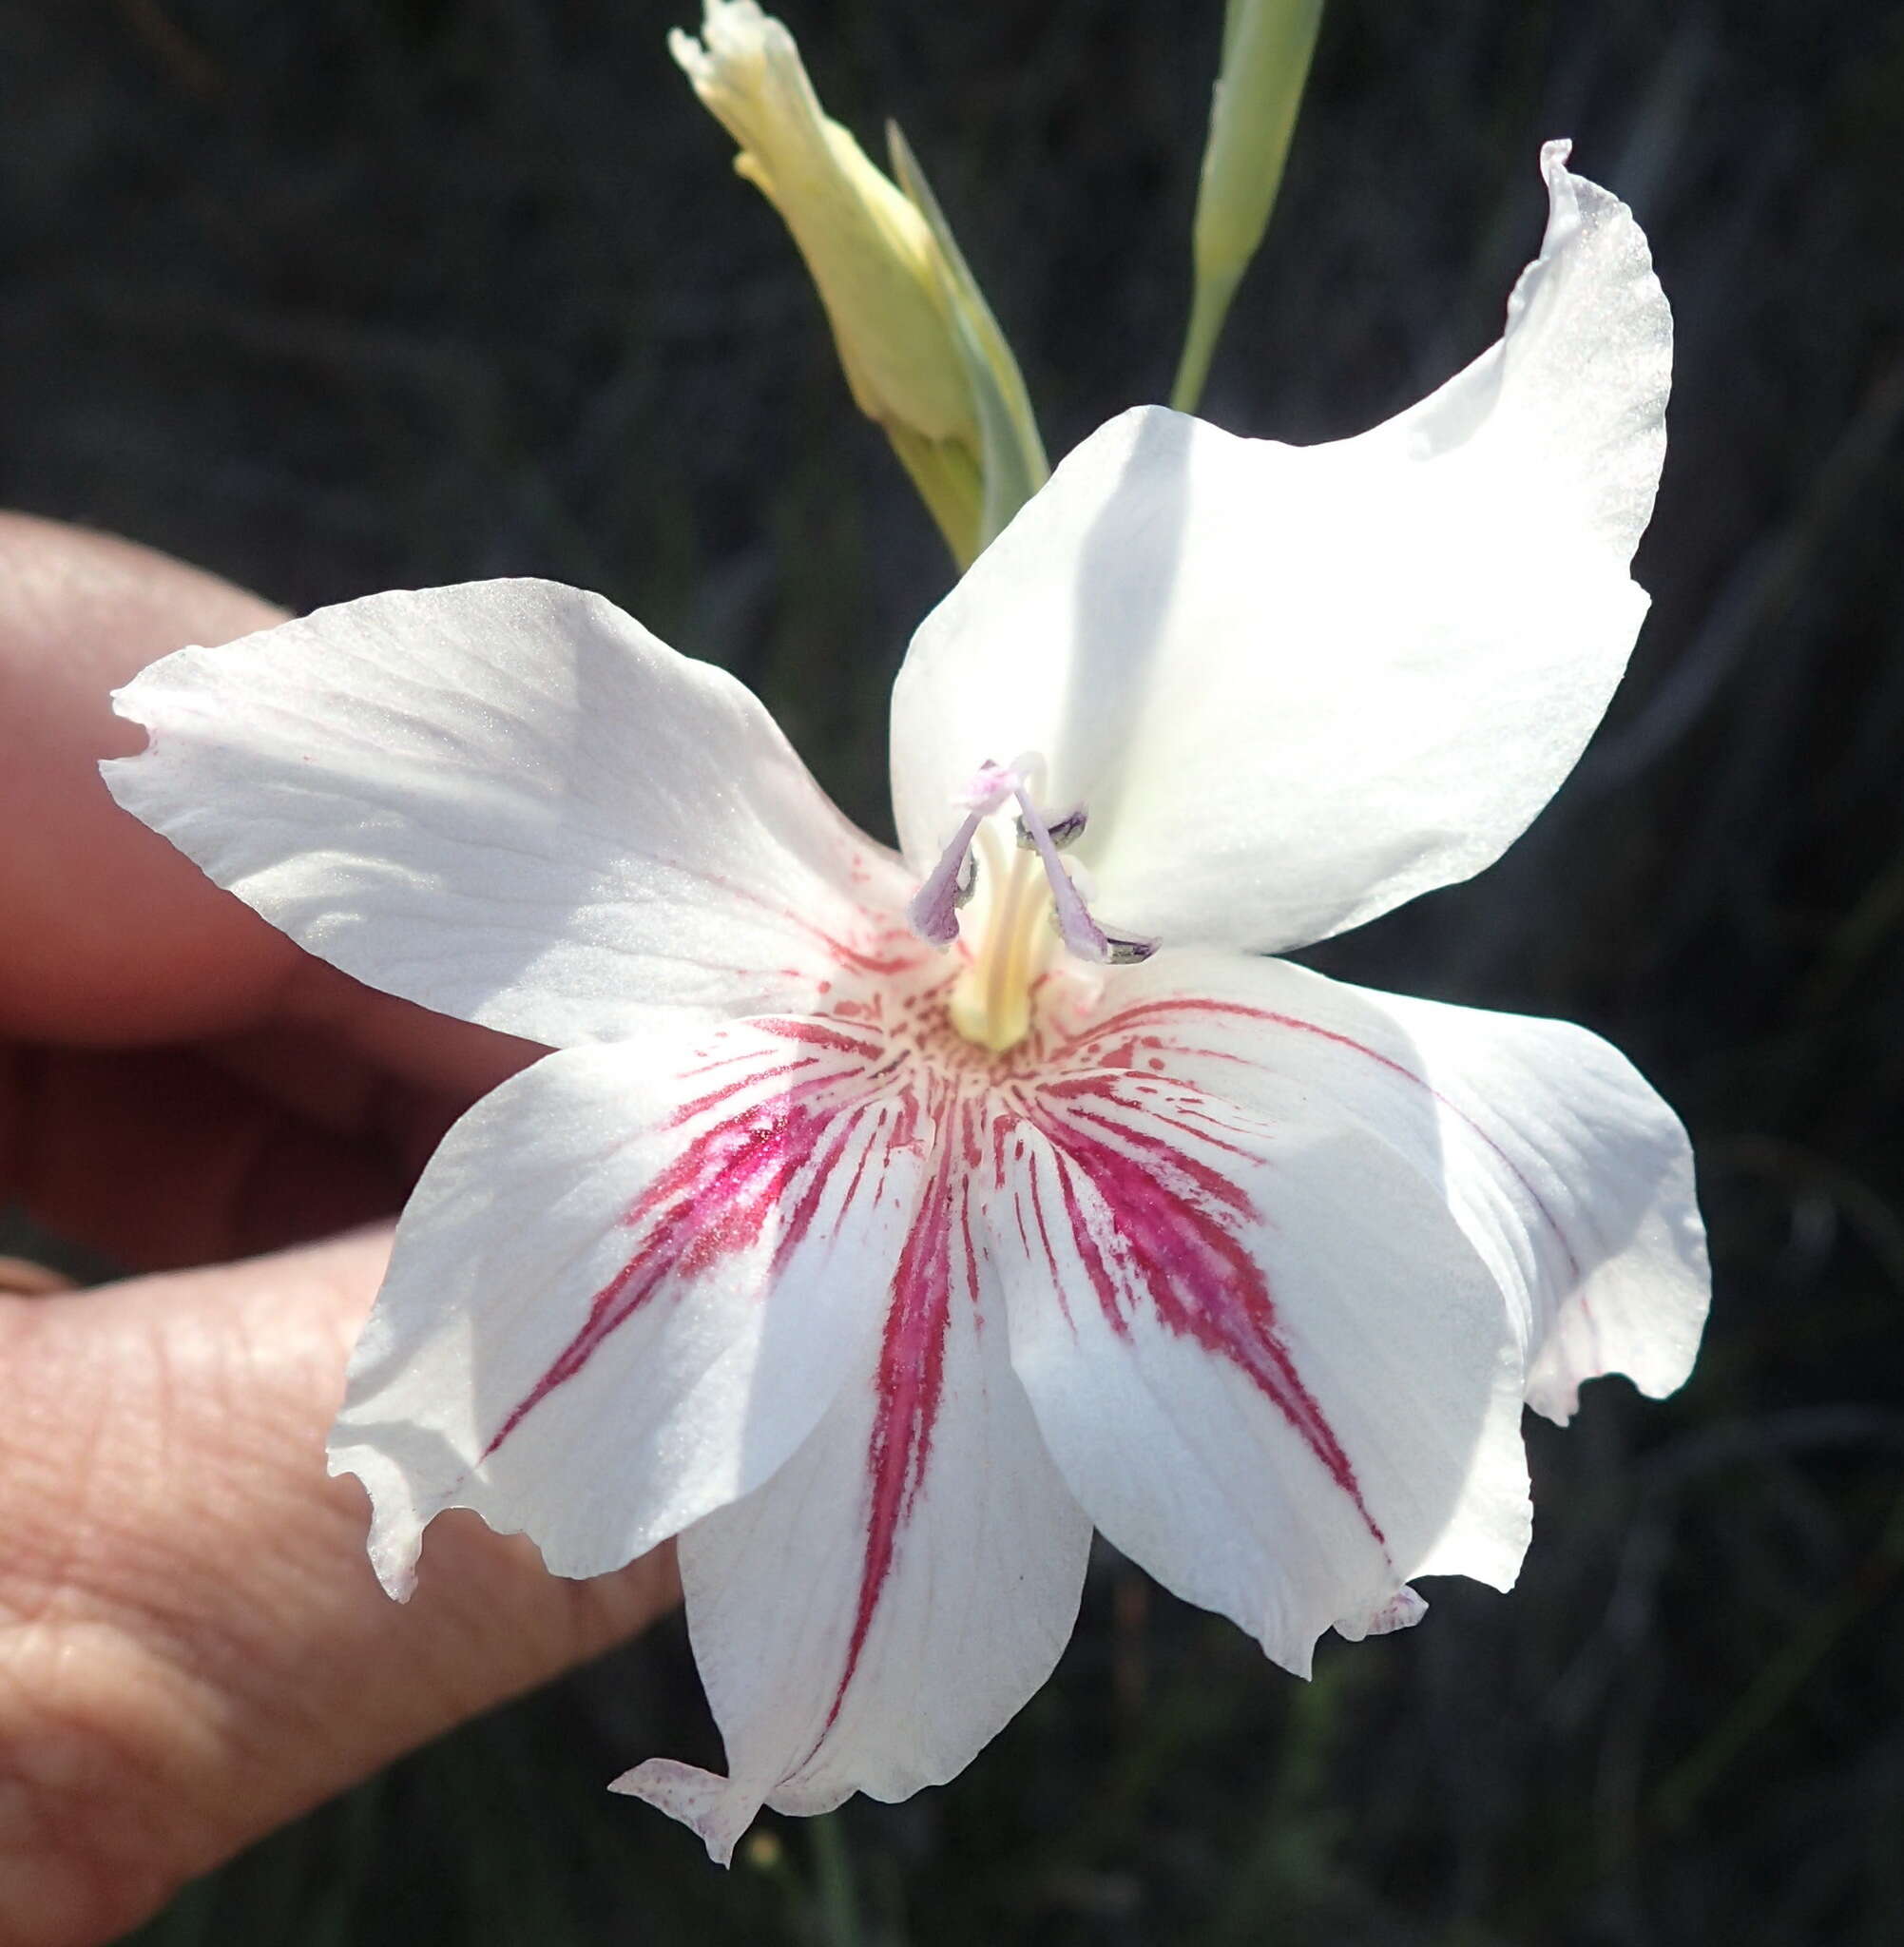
(348, 294)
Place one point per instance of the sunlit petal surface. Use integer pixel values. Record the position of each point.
(1265, 1355)
(626, 1289)
(1571, 1178)
(874, 1615)
(509, 801)
(1295, 687)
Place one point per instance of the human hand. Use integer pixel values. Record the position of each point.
(192, 1645)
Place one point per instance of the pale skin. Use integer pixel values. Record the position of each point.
(192, 1647)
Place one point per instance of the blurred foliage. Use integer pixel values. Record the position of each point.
(356, 294)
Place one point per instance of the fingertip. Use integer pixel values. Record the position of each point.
(111, 934)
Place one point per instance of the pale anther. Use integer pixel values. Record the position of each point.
(1129, 952)
(1065, 830)
(1080, 932)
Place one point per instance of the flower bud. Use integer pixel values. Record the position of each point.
(920, 349)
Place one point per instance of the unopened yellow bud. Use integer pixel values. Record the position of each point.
(921, 351)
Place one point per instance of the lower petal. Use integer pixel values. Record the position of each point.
(1265, 1357)
(626, 1289)
(871, 1617)
(1569, 1175)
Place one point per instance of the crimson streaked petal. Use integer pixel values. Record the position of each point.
(509, 801)
(1402, 1611)
(1262, 1353)
(872, 1616)
(1571, 1178)
(694, 1246)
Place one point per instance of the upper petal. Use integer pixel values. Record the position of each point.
(626, 1287)
(872, 1615)
(1296, 686)
(1262, 1353)
(507, 800)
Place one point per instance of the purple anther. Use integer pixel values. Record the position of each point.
(1125, 952)
(1076, 927)
(1065, 831)
(933, 910)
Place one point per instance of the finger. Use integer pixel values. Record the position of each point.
(113, 936)
(25, 1277)
(431, 1052)
(160, 1158)
(192, 1648)
(111, 933)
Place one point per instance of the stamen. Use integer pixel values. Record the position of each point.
(1080, 932)
(1129, 952)
(1065, 830)
(933, 910)
(991, 1002)
(1122, 950)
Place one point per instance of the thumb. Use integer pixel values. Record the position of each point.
(192, 1647)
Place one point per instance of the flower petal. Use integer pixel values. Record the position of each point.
(507, 800)
(1297, 686)
(626, 1288)
(873, 1615)
(1569, 1175)
(1262, 1353)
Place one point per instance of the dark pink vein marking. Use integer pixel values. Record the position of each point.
(1175, 1221)
(718, 1196)
(821, 1033)
(1150, 1219)
(909, 1385)
(1161, 1014)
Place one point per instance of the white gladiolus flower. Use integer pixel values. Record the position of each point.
(882, 1222)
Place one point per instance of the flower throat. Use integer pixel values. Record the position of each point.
(1020, 897)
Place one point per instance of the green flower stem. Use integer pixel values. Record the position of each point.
(1267, 46)
(1208, 309)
